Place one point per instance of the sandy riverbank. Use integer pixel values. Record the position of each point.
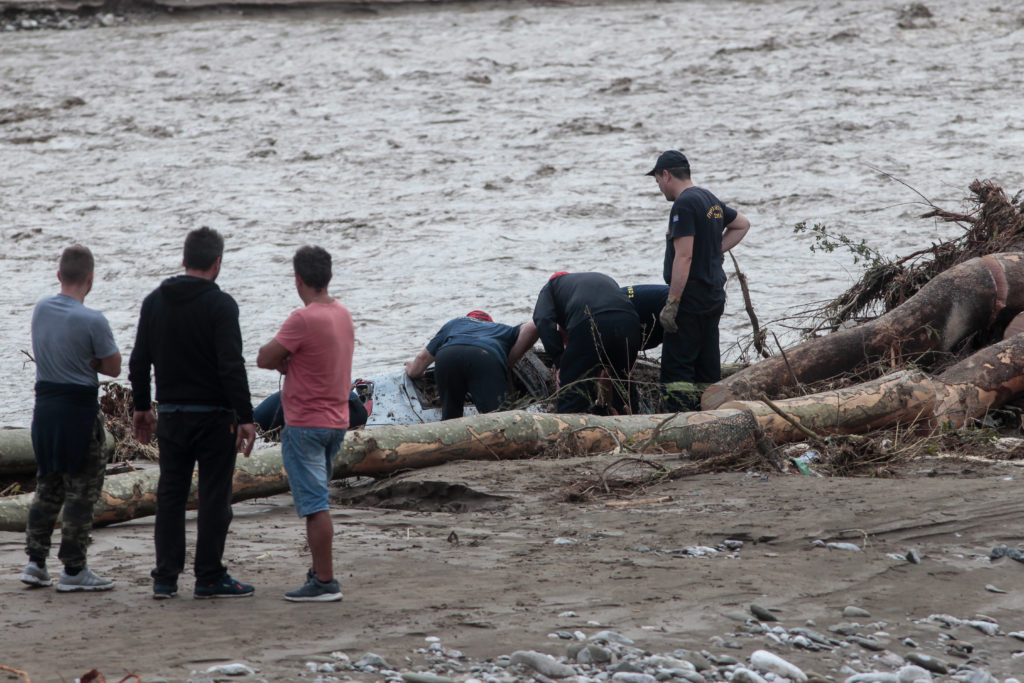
(486, 556)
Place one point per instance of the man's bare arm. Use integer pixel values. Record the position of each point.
(735, 232)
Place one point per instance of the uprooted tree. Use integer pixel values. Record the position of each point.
(972, 297)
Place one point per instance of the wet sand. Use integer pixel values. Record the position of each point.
(469, 553)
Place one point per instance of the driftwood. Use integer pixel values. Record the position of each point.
(961, 301)
(986, 380)
(385, 450)
(17, 456)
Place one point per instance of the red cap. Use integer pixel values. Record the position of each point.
(559, 273)
(480, 315)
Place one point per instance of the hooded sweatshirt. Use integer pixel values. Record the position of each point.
(188, 331)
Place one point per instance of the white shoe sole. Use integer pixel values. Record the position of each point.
(66, 588)
(30, 580)
(326, 597)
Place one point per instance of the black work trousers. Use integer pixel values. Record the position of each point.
(610, 342)
(691, 359)
(185, 440)
(460, 369)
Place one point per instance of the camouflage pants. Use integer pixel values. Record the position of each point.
(77, 493)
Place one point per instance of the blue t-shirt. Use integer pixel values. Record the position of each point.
(494, 337)
(66, 337)
(698, 213)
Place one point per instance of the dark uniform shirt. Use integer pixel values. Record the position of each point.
(648, 300)
(698, 213)
(573, 300)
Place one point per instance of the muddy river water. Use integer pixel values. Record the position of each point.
(452, 156)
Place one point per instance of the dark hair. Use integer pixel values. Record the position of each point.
(313, 266)
(76, 264)
(680, 172)
(203, 246)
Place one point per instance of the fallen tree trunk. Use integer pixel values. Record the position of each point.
(384, 450)
(961, 301)
(17, 456)
(967, 390)
(986, 380)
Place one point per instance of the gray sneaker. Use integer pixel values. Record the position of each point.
(85, 580)
(34, 575)
(315, 590)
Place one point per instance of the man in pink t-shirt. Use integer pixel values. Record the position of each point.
(313, 350)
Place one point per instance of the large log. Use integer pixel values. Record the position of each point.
(986, 380)
(900, 398)
(17, 456)
(382, 450)
(959, 302)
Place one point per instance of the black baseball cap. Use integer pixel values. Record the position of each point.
(670, 159)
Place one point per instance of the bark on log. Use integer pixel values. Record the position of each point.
(962, 300)
(900, 398)
(382, 450)
(986, 380)
(520, 434)
(17, 456)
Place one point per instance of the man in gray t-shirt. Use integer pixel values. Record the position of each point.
(71, 344)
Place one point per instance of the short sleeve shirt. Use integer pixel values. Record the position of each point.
(320, 339)
(494, 337)
(66, 337)
(698, 213)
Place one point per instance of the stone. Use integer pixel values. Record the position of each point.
(370, 659)
(851, 612)
(765, 662)
(542, 663)
(866, 643)
(663, 662)
(699, 661)
(742, 675)
(837, 545)
(594, 654)
(611, 637)
(873, 677)
(633, 677)
(415, 677)
(928, 662)
(913, 674)
(762, 613)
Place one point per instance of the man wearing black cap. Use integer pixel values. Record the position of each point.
(700, 230)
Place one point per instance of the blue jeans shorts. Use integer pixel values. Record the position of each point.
(308, 455)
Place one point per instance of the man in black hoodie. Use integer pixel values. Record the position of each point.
(188, 332)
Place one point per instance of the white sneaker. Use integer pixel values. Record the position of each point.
(85, 580)
(34, 575)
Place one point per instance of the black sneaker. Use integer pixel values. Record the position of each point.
(164, 591)
(226, 587)
(315, 590)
